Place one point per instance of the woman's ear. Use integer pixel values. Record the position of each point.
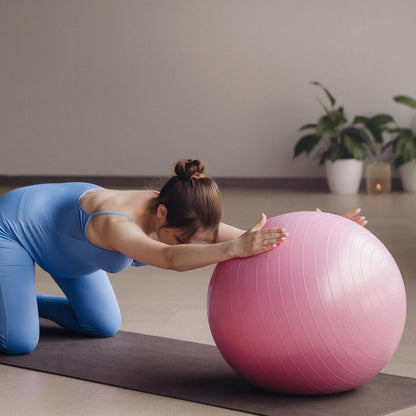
(161, 212)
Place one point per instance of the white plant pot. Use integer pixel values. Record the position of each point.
(344, 175)
(408, 176)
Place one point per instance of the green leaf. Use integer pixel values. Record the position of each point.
(328, 94)
(408, 133)
(339, 152)
(331, 121)
(406, 100)
(306, 144)
(360, 119)
(398, 162)
(405, 150)
(357, 134)
(376, 125)
(396, 130)
(334, 140)
(387, 145)
(381, 119)
(334, 152)
(324, 126)
(361, 137)
(409, 151)
(405, 144)
(404, 147)
(339, 116)
(354, 147)
(376, 132)
(308, 126)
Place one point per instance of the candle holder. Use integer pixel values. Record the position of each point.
(378, 178)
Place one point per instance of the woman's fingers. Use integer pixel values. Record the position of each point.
(259, 240)
(352, 213)
(352, 216)
(260, 224)
(360, 220)
(256, 241)
(272, 236)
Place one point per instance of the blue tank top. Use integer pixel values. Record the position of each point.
(50, 223)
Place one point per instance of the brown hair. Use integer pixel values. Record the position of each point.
(192, 199)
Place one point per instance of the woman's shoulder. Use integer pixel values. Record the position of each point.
(133, 203)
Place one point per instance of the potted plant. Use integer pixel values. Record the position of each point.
(340, 145)
(404, 147)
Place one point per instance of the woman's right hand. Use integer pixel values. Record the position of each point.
(258, 239)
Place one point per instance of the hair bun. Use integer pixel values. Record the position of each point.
(189, 169)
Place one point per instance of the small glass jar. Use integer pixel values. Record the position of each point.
(378, 178)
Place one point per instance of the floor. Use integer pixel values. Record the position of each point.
(172, 304)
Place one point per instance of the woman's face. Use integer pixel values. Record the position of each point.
(173, 236)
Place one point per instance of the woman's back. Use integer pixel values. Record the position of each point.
(50, 223)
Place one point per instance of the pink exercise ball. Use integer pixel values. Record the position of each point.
(321, 313)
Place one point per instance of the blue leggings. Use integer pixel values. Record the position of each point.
(90, 306)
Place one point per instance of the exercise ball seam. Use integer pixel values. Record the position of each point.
(249, 348)
(300, 316)
(263, 322)
(292, 234)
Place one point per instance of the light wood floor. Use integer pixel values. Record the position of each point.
(172, 304)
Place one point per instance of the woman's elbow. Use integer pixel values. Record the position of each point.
(181, 268)
(171, 261)
(168, 261)
(175, 266)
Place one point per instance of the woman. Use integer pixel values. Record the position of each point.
(77, 232)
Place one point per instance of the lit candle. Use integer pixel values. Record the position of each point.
(378, 178)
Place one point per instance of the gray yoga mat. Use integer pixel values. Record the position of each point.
(195, 372)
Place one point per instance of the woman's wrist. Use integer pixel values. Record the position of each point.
(232, 248)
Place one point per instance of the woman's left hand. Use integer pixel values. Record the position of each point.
(352, 216)
(360, 220)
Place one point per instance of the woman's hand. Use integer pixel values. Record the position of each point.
(258, 240)
(352, 216)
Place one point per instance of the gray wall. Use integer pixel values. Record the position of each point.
(119, 87)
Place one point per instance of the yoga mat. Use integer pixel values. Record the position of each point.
(195, 372)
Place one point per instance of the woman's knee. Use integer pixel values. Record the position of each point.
(19, 343)
(103, 326)
(108, 329)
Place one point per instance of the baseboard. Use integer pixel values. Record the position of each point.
(297, 184)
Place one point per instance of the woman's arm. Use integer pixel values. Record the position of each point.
(228, 232)
(127, 238)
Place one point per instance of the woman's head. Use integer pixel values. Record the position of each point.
(191, 202)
